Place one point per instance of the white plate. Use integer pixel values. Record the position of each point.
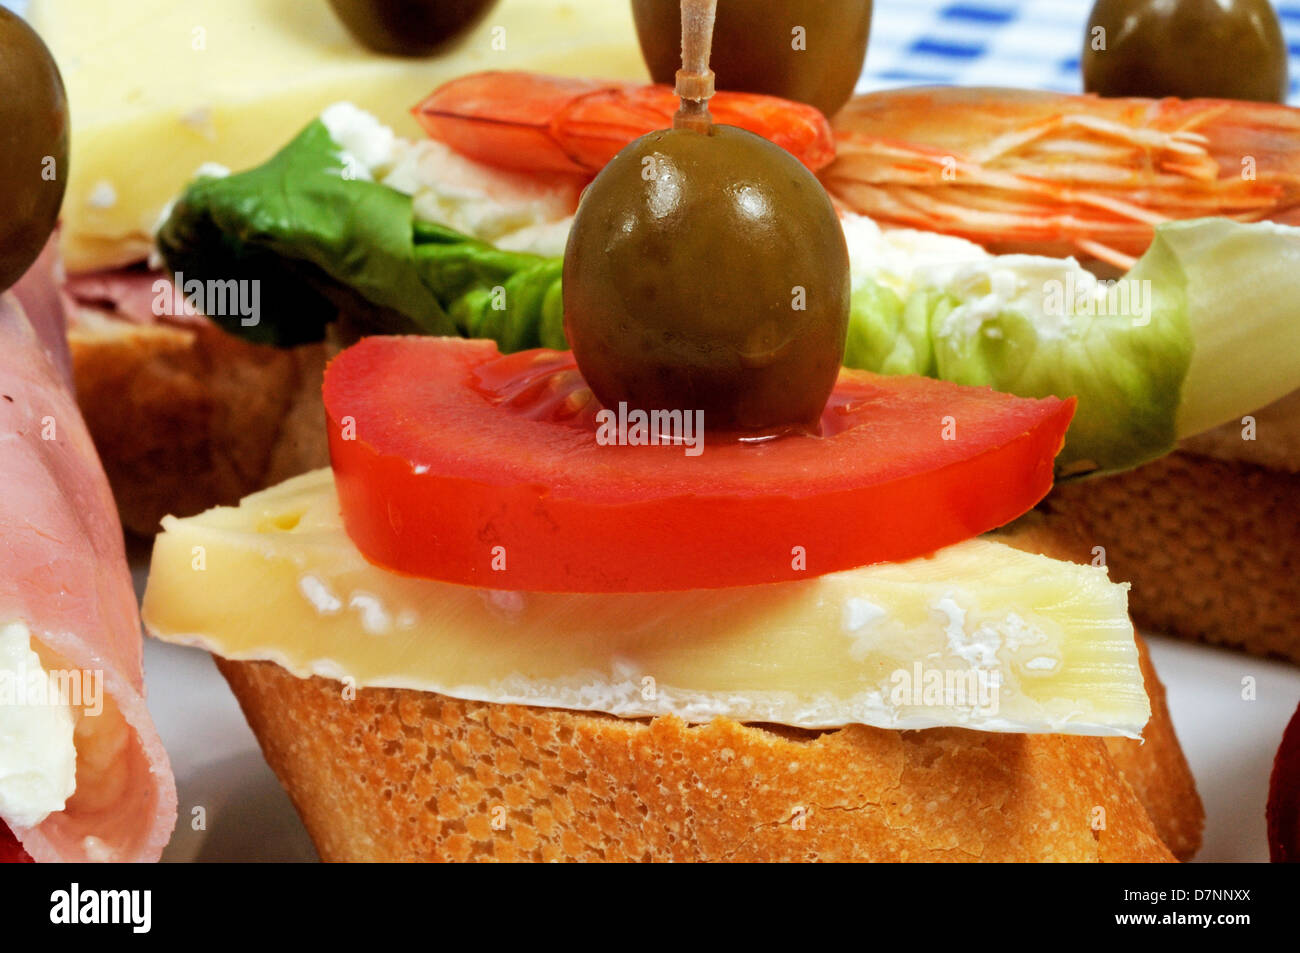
(1230, 743)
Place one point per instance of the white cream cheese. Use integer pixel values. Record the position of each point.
(897, 257)
(546, 238)
(38, 759)
(210, 170)
(1048, 290)
(516, 211)
(370, 608)
(368, 145)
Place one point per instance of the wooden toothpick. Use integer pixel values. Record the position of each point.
(695, 79)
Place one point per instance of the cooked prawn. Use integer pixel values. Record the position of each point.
(531, 122)
(1018, 170)
(1013, 170)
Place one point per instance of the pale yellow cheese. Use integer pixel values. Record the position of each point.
(1019, 642)
(158, 87)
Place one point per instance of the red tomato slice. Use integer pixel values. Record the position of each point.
(1283, 811)
(455, 463)
(11, 852)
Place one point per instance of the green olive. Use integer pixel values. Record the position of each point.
(33, 146)
(708, 271)
(807, 50)
(1226, 49)
(409, 27)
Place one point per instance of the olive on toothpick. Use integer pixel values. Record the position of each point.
(807, 50)
(707, 270)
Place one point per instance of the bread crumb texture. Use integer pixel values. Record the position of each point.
(189, 418)
(398, 775)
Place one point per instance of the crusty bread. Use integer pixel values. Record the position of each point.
(1273, 441)
(189, 417)
(392, 774)
(1212, 547)
(398, 775)
(1155, 766)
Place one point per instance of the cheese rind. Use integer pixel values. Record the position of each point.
(158, 87)
(277, 579)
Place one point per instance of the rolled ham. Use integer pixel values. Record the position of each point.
(63, 573)
(136, 294)
(39, 293)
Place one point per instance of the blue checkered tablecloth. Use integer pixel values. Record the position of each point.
(1026, 43)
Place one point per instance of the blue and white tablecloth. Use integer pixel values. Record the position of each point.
(1027, 43)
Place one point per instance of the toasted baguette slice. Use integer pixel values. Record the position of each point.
(399, 775)
(189, 417)
(1212, 547)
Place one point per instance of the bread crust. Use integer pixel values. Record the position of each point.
(189, 417)
(1277, 431)
(394, 774)
(400, 775)
(1212, 547)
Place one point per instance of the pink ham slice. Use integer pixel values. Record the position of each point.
(39, 294)
(63, 572)
(134, 294)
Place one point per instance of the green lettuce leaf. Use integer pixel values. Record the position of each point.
(1125, 362)
(1204, 328)
(1124, 357)
(889, 335)
(1243, 306)
(322, 244)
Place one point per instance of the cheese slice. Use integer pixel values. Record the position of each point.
(1016, 642)
(159, 87)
